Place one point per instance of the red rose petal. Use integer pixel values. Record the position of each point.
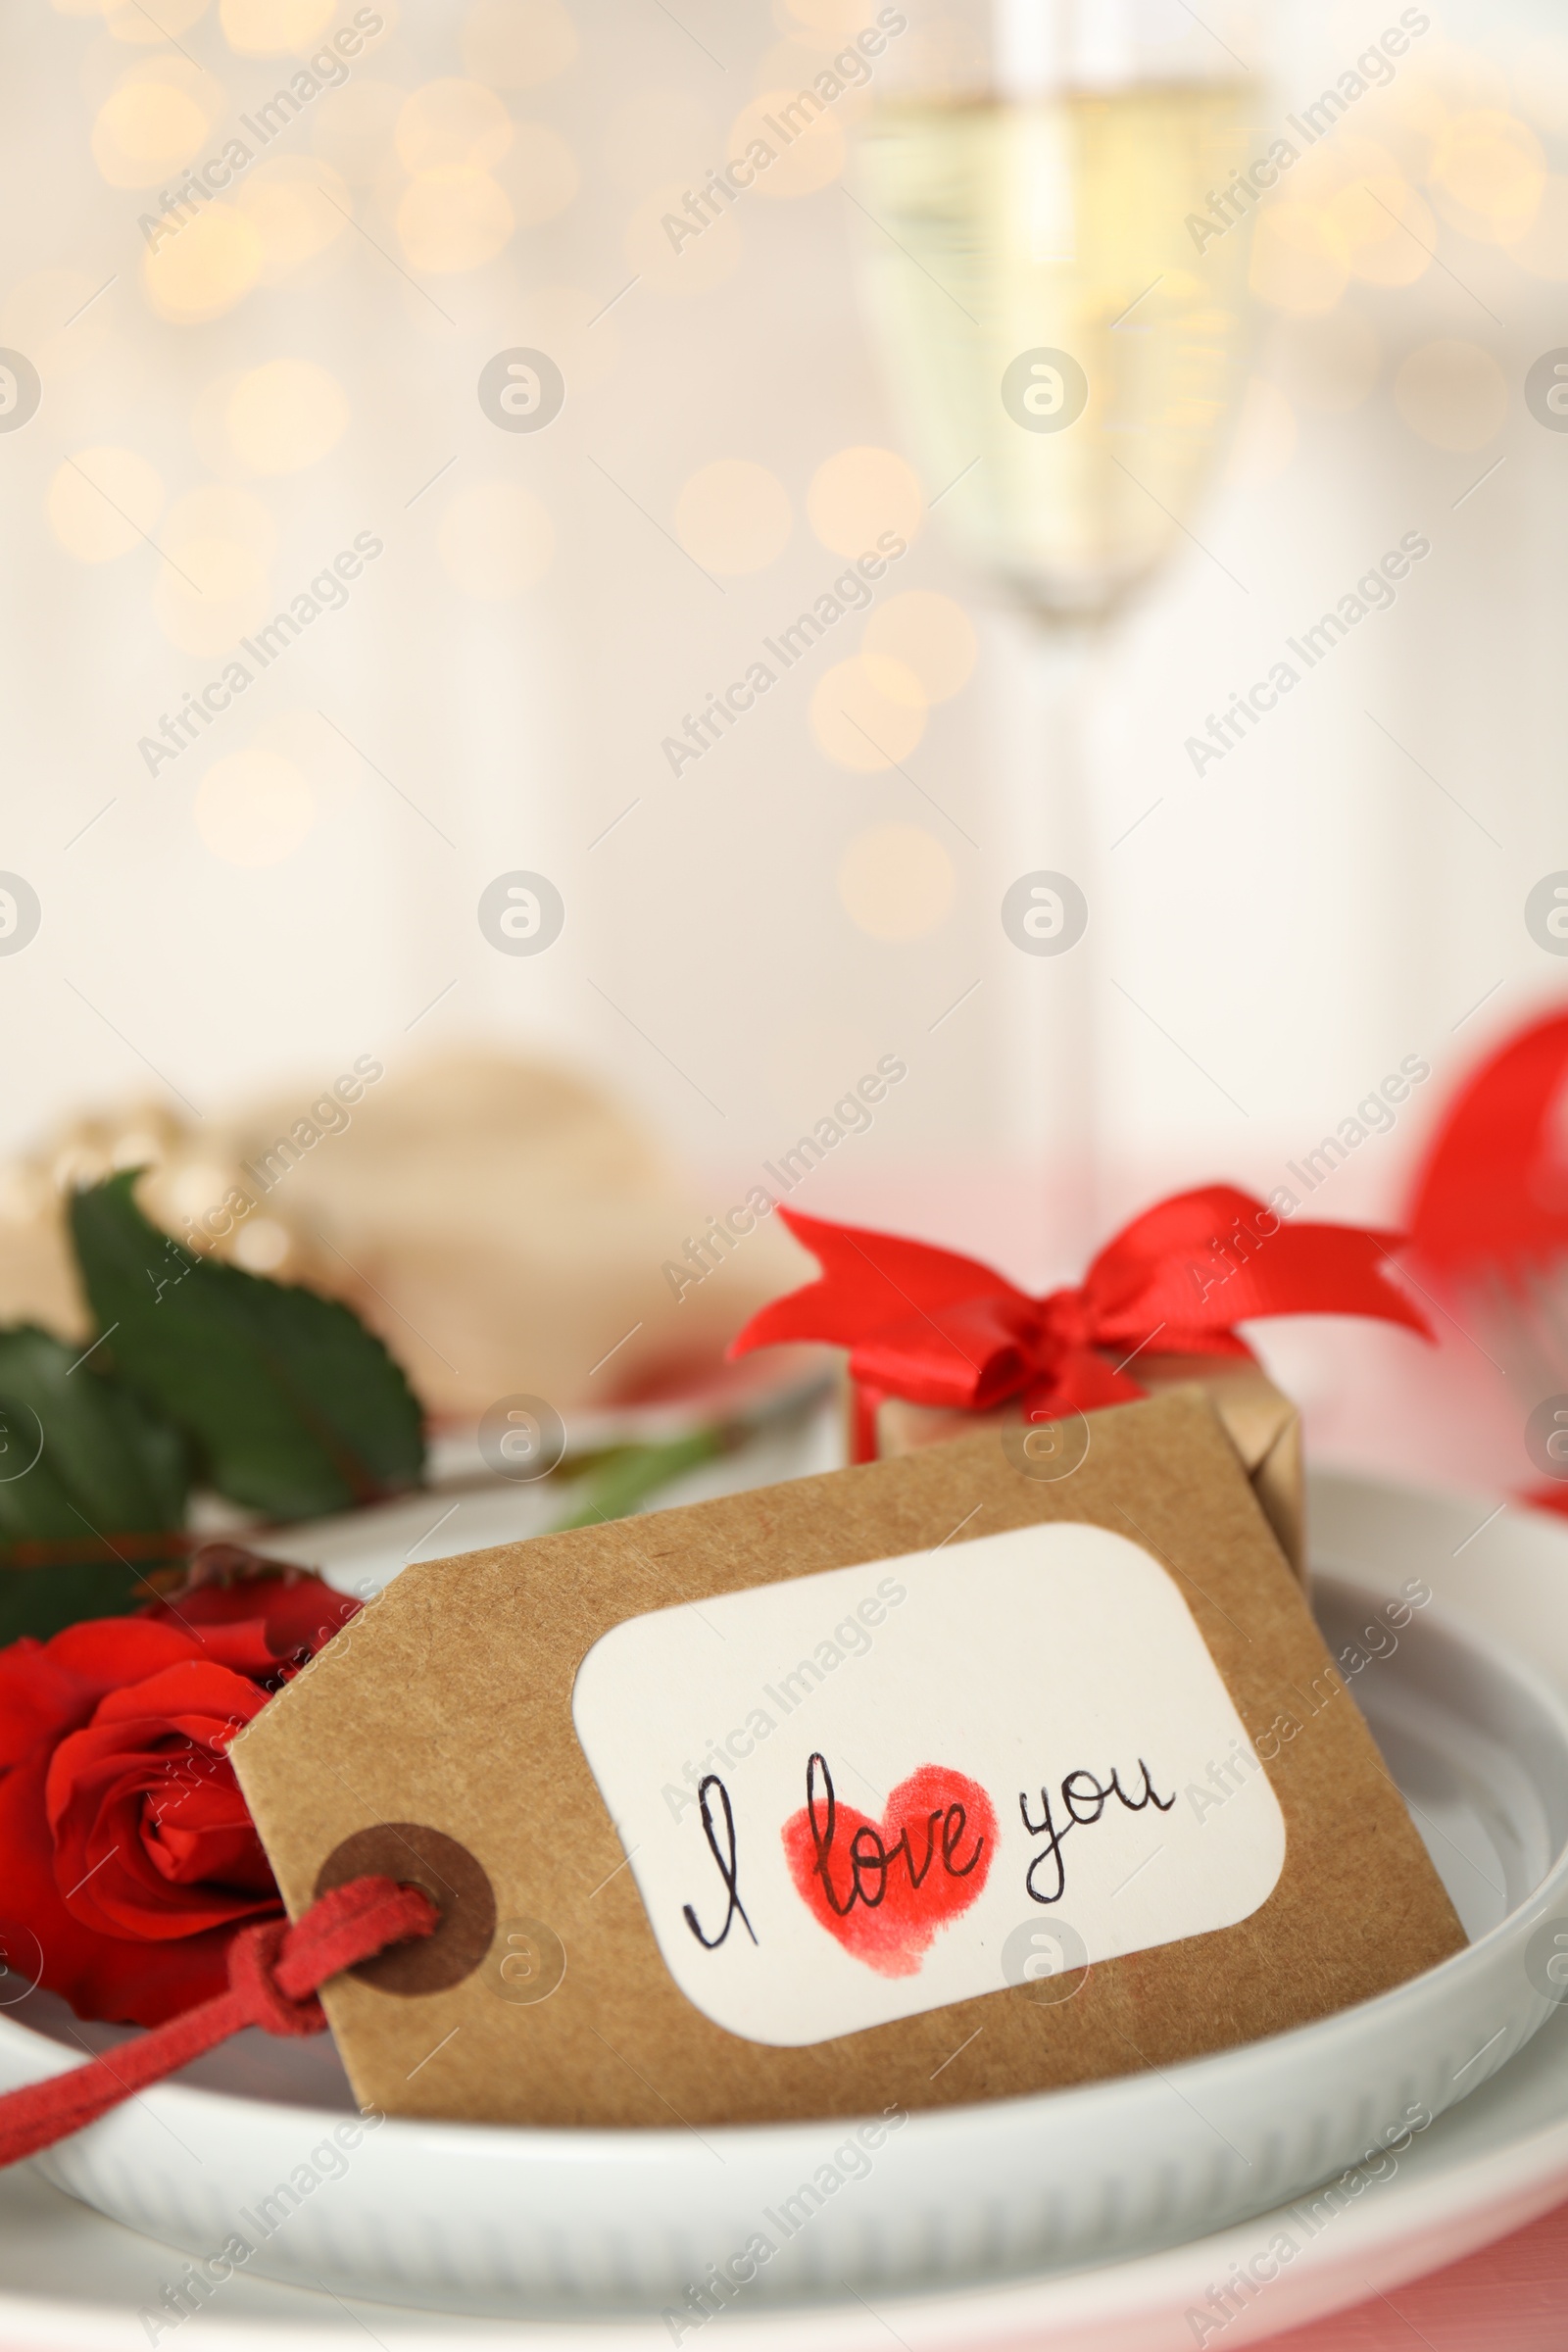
(149, 1754)
(126, 1850)
(197, 1689)
(39, 1699)
(306, 1615)
(233, 1857)
(106, 1875)
(128, 1982)
(243, 1647)
(293, 1614)
(109, 1650)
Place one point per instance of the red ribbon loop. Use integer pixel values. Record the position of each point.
(253, 1959)
(275, 1970)
(938, 1329)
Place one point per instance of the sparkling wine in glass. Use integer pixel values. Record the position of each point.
(1056, 256)
(1044, 312)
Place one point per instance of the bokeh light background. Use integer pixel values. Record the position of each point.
(297, 369)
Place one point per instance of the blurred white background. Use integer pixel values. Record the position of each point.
(222, 415)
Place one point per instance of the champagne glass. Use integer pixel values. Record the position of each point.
(1056, 254)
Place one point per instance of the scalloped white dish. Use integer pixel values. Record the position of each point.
(592, 2224)
(75, 2283)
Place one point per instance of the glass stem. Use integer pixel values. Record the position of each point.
(1046, 993)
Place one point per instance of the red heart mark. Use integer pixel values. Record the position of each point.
(884, 1889)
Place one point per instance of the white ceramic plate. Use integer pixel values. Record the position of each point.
(590, 2223)
(74, 2282)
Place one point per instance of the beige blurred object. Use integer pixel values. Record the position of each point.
(38, 1280)
(1261, 1423)
(37, 1273)
(504, 1226)
(501, 1223)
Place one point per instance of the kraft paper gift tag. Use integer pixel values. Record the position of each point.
(1260, 1419)
(926, 1781)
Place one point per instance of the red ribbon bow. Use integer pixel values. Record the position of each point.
(938, 1329)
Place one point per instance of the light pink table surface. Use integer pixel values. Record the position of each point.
(1510, 2297)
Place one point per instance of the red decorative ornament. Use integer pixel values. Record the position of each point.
(1490, 1197)
(1489, 1215)
(938, 1329)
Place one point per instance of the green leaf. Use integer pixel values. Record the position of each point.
(79, 1455)
(41, 1601)
(92, 1489)
(295, 1408)
(622, 1477)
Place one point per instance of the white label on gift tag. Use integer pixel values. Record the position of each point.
(856, 1795)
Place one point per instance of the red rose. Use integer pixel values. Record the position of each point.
(127, 1857)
